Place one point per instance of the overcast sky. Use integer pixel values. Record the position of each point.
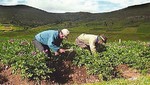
(62, 6)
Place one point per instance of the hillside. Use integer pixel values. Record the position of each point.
(136, 10)
(26, 16)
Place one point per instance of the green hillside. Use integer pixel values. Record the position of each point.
(28, 16)
(131, 23)
(128, 32)
(25, 16)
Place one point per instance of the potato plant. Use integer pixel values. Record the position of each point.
(25, 59)
(136, 54)
(21, 55)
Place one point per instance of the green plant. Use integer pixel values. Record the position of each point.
(21, 55)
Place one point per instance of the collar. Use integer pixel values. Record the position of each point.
(97, 39)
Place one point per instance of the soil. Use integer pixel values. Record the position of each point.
(127, 72)
(65, 74)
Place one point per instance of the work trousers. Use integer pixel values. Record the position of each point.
(42, 48)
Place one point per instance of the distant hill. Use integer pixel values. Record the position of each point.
(27, 16)
(136, 10)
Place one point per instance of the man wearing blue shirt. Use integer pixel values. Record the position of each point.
(50, 39)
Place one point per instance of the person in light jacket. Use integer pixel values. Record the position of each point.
(90, 41)
(50, 39)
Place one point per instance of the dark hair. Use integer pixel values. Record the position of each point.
(104, 38)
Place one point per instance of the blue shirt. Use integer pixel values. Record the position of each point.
(50, 38)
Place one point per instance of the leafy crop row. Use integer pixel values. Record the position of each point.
(21, 55)
(135, 54)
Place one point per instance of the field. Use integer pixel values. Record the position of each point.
(132, 50)
(114, 33)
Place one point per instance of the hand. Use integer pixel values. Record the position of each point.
(45, 51)
(62, 50)
(56, 53)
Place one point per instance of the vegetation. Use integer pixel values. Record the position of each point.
(21, 21)
(19, 24)
(29, 17)
(124, 33)
(21, 55)
(144, 80)
(134, 54)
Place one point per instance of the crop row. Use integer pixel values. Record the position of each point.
(23, 57)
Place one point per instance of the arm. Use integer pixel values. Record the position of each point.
(54, 44)
(51, 44)
(92, 45)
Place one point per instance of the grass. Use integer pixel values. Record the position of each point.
(129, 30)
(9, 27)
(144, 28)
(143, 80)
(125, 33)
(142, 33)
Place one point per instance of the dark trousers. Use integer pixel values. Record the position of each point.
(42, 48)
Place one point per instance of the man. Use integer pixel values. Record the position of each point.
(90, 41)
(50, 39)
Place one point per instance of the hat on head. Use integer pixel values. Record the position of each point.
(103, 38)
(65, 32)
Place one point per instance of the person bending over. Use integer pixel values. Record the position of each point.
(50, 39)
(90, 41)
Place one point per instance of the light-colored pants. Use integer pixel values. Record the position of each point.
(82, 44)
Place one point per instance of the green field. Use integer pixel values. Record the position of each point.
(140, 32)
(144, 80)
(21, 55)
(130, 32)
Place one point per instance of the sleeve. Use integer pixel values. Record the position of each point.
(51, 44)
(92, 45)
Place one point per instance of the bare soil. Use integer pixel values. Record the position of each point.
(65, 74)
(127, 72)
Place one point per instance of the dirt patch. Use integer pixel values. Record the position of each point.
(3, 78)
(127, 72)
(12, 79)
(65, 73)
(80, 76)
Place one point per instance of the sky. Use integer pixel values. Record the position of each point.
(62, 6)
